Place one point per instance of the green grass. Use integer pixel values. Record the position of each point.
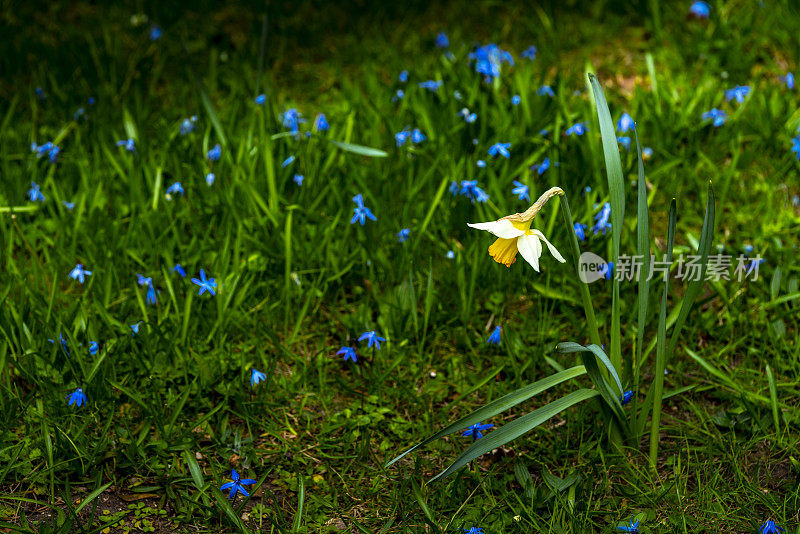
(170, 411)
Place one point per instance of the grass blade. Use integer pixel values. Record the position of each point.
(643, 250)
(358, 149)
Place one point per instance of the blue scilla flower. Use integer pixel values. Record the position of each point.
(188, 125)
(489, 60)
(494, 337)
(80, 113)
(541, 167)
(403, 77)
(719, 117)
(607, 270)
(516, 100)
(450, 255)
(151, 291)
(442, 41)
(579, 128)
(470, 189)
(788, 80)
(155, 33)
(215, 153)
(630, 527)
(134, 328)
(602, 219)
(34, 194)
(361, 213)
(480, 163)
(468, 117)
(737, 93)
(431, 85)
(402, 136)
(417, 136)
(748, 249)
(68, 205)
(237, 485)
(94, 346)
(256, 376)
(77, 397)
(545, 90)
(373, 339)
(321, 123)
(291, 119)
(625, 123)
(260, 99)
(288, 161)
(647, 153)
(474, 530)
(521, 190)
(78, 273)
(62, 341)
(700, 9)
(399, 94)
(500, 148)
(769, 527)
(174, 189)
(796, 146)
(298, 179)
(210, 178)
(129, 144)
(476, 431)
(626, 397)
(206, 284)
(179, 269)
(349, 353)
(529, 53)
(40, 93)
(402, 235)
(580, 231)
(625, 141)
(48, 149)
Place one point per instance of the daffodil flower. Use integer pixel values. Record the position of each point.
(514, 235)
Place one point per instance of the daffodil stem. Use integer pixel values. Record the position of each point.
(586, 298)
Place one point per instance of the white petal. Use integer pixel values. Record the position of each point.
(502, 228)
(531, 250)
(556, 254)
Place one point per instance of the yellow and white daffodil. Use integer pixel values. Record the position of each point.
(514, 234)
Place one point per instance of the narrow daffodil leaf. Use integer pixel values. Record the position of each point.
(500, 405)
(568, 347)
(358, 149)
(516, 428)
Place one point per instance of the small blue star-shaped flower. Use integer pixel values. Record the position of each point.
(403, 77)
(63, 342)
(494, 338)
(151, 291)
(769, 527)
(373, 339)
(206, 284)
(718, 115)
(480, 163)
(398, 95)
(580, 231)
(34, 193)
(40, 93)
(298, 179)
(601, 219)
(521, 190)
(700, 9)
(450, 255)
(607, 270)
(625, 123)
(788, 80)
(403, 234)
(529, 53)
(94, 346)
(291, 119)
(288, 161)
(468, 117)
(402, 136)
(543, 166)
(78, 273)
(361, 213)
(134, 328)
(737, 93)
(215, 153)
(579, 128)
(77, 397)
(647, 153)
(349, 353)
(237, 485)
(188, 125)
(500, 148)
(256, 376)
(442, 41)
(625, 141)
(321, 123)
(155, 33)
(174, 189)
(626, 397)
(630, 527)
(431, 85)
(417, 136)
(210, 179)
(129, 144)
(261, 99)
(545, 90)
(474, 530)
(68, 205)
(476, 431)
(516, 100)
(179, 269)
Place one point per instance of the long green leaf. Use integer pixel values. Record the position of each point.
(516, 428)
(92, 496)
(570, 346)
(643, 250)
(661, 357)
(358, 149)
(616, 187)
(500, 405)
